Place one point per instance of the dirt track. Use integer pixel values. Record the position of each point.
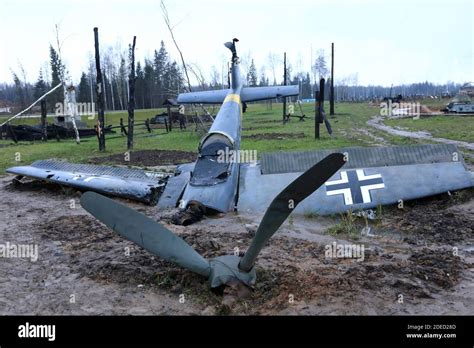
(411, 254)
(377, 123)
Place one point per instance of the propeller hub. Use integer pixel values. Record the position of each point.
(225, 269)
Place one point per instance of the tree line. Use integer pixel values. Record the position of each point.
(159, 77)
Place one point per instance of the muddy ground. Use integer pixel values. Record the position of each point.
(147, 158)
(417, 261)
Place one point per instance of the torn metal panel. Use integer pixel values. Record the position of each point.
(355, 189)
(360, 157)
(173, 191)
(117, 181)
(219, 197)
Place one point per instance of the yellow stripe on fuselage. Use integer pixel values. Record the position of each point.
(232, 98)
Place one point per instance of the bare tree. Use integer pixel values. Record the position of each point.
(164, 11)
(273, 62)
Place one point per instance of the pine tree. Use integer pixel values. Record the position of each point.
(40, 86)
(149, 74)
(160, 64)
(140, 87)
(19, 91)
(57, 70)
(252, 75)
(320, 67)
(84, 90)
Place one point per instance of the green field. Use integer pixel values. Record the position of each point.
(449, 127)
(260, 121)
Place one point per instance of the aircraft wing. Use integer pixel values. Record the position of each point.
(135, 184)
(248, 94)
(371, 177)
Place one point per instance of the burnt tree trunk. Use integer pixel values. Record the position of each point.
(131, 99)
(317, 112)
(44, 130)
(331, 89)
(284, 83)
(100, 94)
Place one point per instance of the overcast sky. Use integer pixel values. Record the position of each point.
(383, 42)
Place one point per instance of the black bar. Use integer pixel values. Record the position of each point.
(250, 329)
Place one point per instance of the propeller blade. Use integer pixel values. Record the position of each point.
(145, 232)
(283, 204)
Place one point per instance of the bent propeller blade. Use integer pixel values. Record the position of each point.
(283, 204)
(145, 232)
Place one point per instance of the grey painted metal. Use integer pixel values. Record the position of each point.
(249, 94)
(123, 182)
(400, 182)
(173, 191)
(225, 269)
(287, 200)
(360, 157)
(221, 196)
(145, 232)
(204, 97)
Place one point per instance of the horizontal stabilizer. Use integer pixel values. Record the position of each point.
(204, 97)
(248, 94)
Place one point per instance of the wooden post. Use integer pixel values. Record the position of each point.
(284, 83)
(317, 111)
(147, 125)
(170, 121)
(122, 128)
(44, 129)
(100, 94)
(131, 98)
(12, 133)
(331, 89)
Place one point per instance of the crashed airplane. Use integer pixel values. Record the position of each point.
(318, 182)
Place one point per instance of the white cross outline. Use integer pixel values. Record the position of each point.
(365, 190)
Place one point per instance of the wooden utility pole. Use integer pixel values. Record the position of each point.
(100, 94)
(131, 99)
(170, 120)
(44, 112)
(319, 115)
(284, 83)
(317, 112)
(331, 90)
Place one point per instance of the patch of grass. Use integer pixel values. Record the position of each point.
(349, 225)
(259, 119)
(311, 215)
(449, 127)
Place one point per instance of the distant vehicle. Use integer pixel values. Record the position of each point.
(463, 108)
(460, 104)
